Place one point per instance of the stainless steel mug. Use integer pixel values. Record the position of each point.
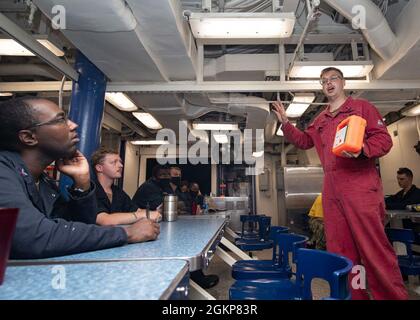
(170, 207)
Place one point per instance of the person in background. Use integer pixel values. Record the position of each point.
(184, 201)
(316, 225)
(197, 198)
(185, 187)
(184, 197)
(114, 205)
(34, 133)
(204, 281)
(409, 194)
(175, 174)
(352, 196)
(151, 192)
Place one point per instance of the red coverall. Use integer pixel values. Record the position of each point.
(352, 198)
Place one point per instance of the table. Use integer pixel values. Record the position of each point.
(394, 217)
(191, 239)
(129, 280)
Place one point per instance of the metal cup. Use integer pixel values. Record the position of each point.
(170, 208)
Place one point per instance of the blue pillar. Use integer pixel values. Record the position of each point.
(86, 109)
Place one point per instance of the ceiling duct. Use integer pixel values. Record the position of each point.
(130, 40)
(378, 32)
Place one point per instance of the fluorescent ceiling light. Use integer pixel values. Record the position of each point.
(6, 94)
(300, 102)
(280, 132)
(200, 135)
(149, 142)
(239, 25)
(215, 126)
(148, 120)
(258, 154)
(412, 112)
(312, 69)
(9, 47)
(120, 101)
(221, 138)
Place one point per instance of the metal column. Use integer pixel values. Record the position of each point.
(87, 107)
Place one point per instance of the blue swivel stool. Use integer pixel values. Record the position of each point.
(279, 266)
(260, 240)
(310, 264)
(409, 263)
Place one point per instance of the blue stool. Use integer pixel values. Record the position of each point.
(257, 238)
(409, 264)
(277, 229)
(278, 266)
(249, 228)
(310, 264)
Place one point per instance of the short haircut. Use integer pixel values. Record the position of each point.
(405, 171)
(332, 69)
(194, 183)
(175, 168)
(99, 155)
(156, 170)
(185, 183)
(15, 115)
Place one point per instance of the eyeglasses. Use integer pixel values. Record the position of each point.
(324, 81)
(60, 119)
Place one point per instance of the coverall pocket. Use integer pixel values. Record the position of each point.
(362, 182)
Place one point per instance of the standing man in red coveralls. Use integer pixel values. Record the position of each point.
(352, 199)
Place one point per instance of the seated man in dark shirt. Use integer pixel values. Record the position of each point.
(409, 194)
(114, 205)
(151, 192)
(34, 133)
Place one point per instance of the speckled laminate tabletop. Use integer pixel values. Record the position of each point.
(129, 280)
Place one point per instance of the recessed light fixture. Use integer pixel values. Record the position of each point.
(300, 102)
(258, 154)
(241, 25)
(412, 112)
(148, 120)
(280, 132)
(149, 142)
(6, 94)
(10, 47)
(221, 138)
(312, 69)
(215, 126)
(120, 101)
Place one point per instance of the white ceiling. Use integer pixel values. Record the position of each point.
(150, 41)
